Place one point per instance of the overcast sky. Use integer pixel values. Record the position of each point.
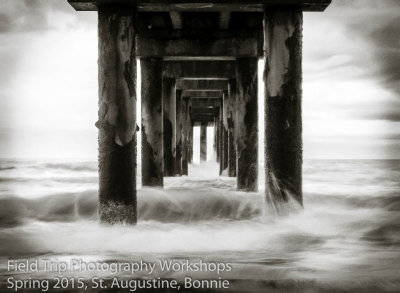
(48, 80)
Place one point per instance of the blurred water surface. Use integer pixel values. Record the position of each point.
(347, 237)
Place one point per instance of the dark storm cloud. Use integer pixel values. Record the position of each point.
(5, 22)
(386, 39)
(388, 115)
(378, 23)
(364, 46)
(28, 15)
(394, 116)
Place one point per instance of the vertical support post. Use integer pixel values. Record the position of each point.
(225, 150)
(203, 142)
(231, 129)
(221, 139)
(225, 140)
(190, 140)
(117, 115)
(283, 77)
(168, 93)
(247, 124)
(215, 140)
(152, 122)
(178, 135)
(185, 135)
(217, 133)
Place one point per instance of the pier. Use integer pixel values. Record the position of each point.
(199, 67)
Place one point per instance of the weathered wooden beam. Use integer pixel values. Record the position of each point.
(221, 141)
(178, 135)
(194, 115)
(217, 130)
(201, 5)
(169, 98)
(199, 122)
(225, 150)
(176, 18)
(247, 124)
(231, 129)
(200, 69)
(209, 123)
(200, 84)
(213, 92)
(202, 93)
(186, 124)
(215, 140)
(152, 123)
(213, 111)
(201, 34)
(203, 103)
(199, 58)
(202, 118)
(224, 20)
(117, 116)
(234, 5)
(246, 46)
(190, 141)
(282, 78)
(205, 97)
(203, 142)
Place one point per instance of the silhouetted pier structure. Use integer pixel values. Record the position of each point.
(199, 66)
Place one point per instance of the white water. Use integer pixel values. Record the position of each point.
(347, 236)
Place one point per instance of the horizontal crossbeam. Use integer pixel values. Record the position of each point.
(203, 103)
(249, 46)
(202, 93)
(200, 84)
(200, 69)
(202, 118)
(213, 111)
(201, 5)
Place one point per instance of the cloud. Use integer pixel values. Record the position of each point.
(386, 40)
(23, 22)
(378, 24)
(37, 15)
(25, 15)
(354, 49)
(369, 4)
(390, 115)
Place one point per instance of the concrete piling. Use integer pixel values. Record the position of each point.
(231, 129)
(169, 97)
(247, 124)
(152, 122)
(178, 134)
(185, 135)
(117, 116)
(204, 61)
(282, 77)
(203, 142)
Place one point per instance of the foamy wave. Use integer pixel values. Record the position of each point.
(170, 205)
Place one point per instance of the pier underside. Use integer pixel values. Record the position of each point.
(199, 67)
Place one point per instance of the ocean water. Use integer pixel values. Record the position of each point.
(346, 239)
